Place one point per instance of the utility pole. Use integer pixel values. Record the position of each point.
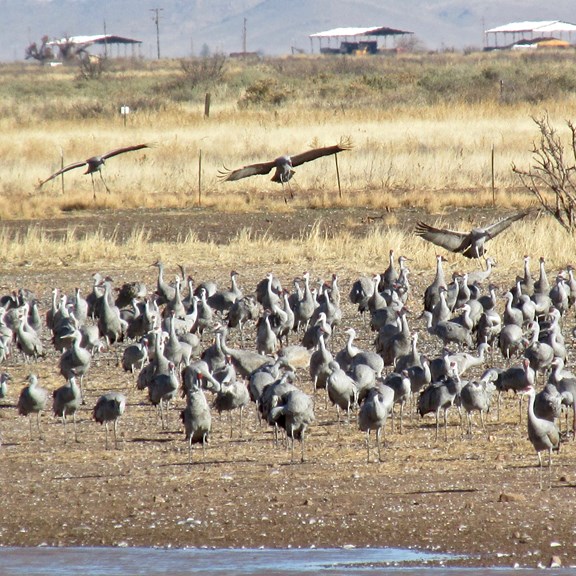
(156, 19)
(105, 42)
(244, 38)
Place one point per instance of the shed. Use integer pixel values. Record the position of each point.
(528, 33)
(74, 44)
(353, 40)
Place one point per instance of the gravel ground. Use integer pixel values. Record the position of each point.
(478, 496)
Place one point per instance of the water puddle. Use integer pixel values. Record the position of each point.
(209, 562)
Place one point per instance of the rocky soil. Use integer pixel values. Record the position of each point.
(477, 495)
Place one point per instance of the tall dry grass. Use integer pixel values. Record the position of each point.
(318, 249)
(419, 136)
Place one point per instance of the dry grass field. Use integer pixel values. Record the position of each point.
(424, 156)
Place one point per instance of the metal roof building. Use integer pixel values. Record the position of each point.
(509, 34)
(353, 39)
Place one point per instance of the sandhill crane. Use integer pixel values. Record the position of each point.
(352, 355)
(465, 361)
(471, 244)
(293, 411)
(245, 361)
(266, 339)
(262, 377)
(360, 293)
(449, 331)
(282, 319)
(283, 165)
(516, 378)
(242, 311)
(479, 276)
(28, 341)
(320, 365)
(164, 291)
(542, 285)
(432, 292)
(305, 306)
(543, 435)
(539, 353)
(32, 400)
(400, 383)
(75, 361)
(321, 326)
(94, 164)
(233, 394)
(196, 417)
(268, 291)
(109, 408)
(440, 395)
(66, 401)
(110, 325)
(373, 413)
(135, 356)
(342, 390)
(476, 395)
(162, 389)
(223, 300)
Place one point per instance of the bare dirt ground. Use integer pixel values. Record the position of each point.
(478, 496)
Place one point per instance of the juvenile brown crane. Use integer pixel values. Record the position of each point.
(283, 165)
(469, 244)
(94, 164)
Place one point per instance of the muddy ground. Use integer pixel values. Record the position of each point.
(478, 496)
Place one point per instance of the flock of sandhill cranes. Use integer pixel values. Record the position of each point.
(176, 342)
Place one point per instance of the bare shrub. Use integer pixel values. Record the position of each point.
(551, 177)
(201, 71)
(263, 93)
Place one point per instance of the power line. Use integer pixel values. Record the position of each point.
(156, 19)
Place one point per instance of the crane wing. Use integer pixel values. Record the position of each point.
(315, 153)
(501, 225)
(61, 171)
(125, 149)
(449, 239)
(250, 170)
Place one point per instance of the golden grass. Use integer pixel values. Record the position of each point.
(318, 249)
(403, 155)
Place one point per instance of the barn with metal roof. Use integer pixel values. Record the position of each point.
(353, 40)
(530, 33)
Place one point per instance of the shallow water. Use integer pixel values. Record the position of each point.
(266, 562)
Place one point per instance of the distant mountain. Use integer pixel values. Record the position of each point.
(272, 26)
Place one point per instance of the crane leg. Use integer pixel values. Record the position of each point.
(368, 446)
(106, 433)
(93, 186)
(75, 427)
(378, 433)
(116, 433)
(103, 182)
(39, 427)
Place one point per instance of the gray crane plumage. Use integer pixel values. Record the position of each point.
(542, 433)
(470, 244)
(66, 401)
(196, 417)
(109, 408)
(32, 400)
(373, 413)
(294, 411)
